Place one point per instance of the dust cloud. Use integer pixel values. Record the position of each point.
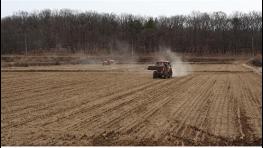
(180, 68)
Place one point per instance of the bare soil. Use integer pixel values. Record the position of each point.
(215, 104)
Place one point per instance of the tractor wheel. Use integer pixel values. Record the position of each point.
(170, 74)
(165, 76)
(155, 75)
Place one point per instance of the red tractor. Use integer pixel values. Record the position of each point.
(108, 62)
(162, 69)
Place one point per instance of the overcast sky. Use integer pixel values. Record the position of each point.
(137, 7)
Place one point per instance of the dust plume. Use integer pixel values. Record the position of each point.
(180, 68)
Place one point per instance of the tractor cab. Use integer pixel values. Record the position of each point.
(163, 63)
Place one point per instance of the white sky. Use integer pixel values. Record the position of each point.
(137, 7)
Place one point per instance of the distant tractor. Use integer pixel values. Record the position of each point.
(162, 69)
(108, 62)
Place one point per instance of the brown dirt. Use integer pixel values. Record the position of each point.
(217, 104)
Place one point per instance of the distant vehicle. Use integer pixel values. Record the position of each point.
(162, 69)
(108, 62)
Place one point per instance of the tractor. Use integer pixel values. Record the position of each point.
(108, 62)
(161, 69)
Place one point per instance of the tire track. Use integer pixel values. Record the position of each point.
(62, 100)
(134, 125)
(44, 91)
(193, 106)
(70, 91)
(54, 113)
(95, 117)
(69, 88)
(211, 108)
(130, 99)
(147, 102)
(249, 113)
(182, 123)
(223, 126)
(27, 88)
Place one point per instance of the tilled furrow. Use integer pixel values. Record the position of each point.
(80, 107)
(60, 99)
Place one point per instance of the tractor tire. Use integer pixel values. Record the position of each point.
(165, 76)
(170, 75)
(155, 75)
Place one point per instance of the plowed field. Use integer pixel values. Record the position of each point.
(215, 104)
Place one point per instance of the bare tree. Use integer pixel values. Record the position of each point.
(90, 32)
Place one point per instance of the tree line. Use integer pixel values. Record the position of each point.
(90, 32)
